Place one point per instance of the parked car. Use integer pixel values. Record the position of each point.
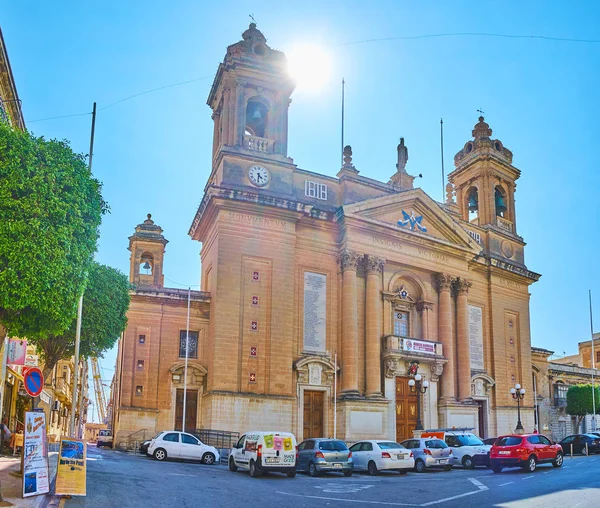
(526, 451)
(489, 440)
(105, 438)
(579, 441)
(377, 455)
(320, 455)
(429, 452)
(260, 452)
(143, 449)
(467, 449)
(181, 445)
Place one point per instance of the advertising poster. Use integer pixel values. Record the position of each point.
(71, 469)
(17, 351)
(35, 455)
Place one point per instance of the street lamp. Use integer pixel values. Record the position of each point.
(518, 394)
(420, 387)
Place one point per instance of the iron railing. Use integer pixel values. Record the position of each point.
(221, 439)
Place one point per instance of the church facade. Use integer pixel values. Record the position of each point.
(321, 296)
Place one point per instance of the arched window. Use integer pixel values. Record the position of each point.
(473, 205)
(146, 264)
(256, 118)
(500, 201)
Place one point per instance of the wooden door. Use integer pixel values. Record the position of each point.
(191, 409)
(313, 414)
(406, 410)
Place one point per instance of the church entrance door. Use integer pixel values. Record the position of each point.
(191, 404)
(406, 409)
(313, 414)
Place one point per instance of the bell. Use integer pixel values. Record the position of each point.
(500, 206)
(256, 115)
(473, 205)
(146, 266)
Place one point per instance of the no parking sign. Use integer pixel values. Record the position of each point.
(33, 381)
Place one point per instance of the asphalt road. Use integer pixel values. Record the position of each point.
(116, 479)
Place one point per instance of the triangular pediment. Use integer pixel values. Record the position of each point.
(413, 212)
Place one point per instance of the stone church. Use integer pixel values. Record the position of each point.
(322, 297)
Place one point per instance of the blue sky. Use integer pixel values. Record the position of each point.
(152, 152)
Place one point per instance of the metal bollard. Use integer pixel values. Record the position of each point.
(571, 450)
(587, 451)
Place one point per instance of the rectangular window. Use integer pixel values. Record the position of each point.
(560, 394)
(139, 390)
(192, 346)
(142, 339)
(140, 365)
(597, 358)
(401, 328)
(315, 190)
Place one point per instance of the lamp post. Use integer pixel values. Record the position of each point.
(420, 387)
(518, 394)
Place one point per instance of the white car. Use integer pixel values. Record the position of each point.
(181, 445)
(467, 449)
(378, 455)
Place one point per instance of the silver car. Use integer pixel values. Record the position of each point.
(429, 452)
(319, 455)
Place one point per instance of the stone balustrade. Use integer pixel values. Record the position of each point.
(257, 144)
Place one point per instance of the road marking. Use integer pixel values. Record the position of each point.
(579, 463)
(547, 472)
(593, 460)
(503, 484)
(346, 500)
(181, 474)
(527, 477)
(481, 488)
(342, 488)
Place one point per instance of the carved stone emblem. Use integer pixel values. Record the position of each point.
(436, 371)
(391, 367)
(314, 373)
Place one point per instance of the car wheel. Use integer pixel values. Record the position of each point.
(232, 466)
(160, 454)
(312, 470)
(467, 462)
(347, 474)
(254, 472)
(496, 469)
(584, 450)
(208, 459)
(558, 461)
(420, 466)
(291, 474)
(531, 464)
(402, 471)
(372, 468)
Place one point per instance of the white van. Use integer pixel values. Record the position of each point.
(260, 451)
(467, 449)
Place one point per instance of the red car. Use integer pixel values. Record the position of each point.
(526, 451)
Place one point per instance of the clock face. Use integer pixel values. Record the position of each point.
(259, 176)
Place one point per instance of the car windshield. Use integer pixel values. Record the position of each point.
(469, 440)
(337, 446)
(435, 443)
(386, 445)
(508, 441)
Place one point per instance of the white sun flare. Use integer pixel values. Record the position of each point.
(309, 66)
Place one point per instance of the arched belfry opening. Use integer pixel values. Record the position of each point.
(256, 118)
(500, 201)
(146, 264)
(473, 205)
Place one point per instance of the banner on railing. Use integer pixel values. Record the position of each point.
(35, 455)
(71, 469)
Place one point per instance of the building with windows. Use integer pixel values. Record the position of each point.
(322, 296)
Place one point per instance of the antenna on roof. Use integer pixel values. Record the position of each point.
(252, 18)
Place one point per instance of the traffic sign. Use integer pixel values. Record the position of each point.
(33, 381)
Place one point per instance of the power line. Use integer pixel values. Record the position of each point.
(184, 285)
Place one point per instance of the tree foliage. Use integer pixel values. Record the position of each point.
(103, 319)
(50, 213)
(579, 401)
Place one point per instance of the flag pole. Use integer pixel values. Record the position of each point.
(335, 395)
(442, 155)
(185, 369)
(593, 366)
(343, 93)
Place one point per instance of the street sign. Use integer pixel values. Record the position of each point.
(33, 381)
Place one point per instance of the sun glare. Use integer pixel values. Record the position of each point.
(309, 66)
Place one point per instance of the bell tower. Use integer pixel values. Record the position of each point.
(484, 180)
(147, 246)
(249, 98)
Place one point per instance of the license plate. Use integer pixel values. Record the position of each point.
(337, 466)
(271, 460)
(442, 461)
(400, 457)
(503, 452)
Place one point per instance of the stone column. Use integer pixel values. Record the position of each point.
(373, 317)
(349, 261)
(463, 346)
(226, 113)
(444, 282)
(424, 308)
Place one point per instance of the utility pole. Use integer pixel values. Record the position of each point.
(593, 367)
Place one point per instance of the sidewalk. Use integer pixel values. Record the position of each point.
(11, 483)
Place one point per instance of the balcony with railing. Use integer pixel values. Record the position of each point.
(408, 346)
(257, 144)
(504, 224)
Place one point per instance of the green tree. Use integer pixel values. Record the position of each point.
(50, 213)
(579, 401)
(103, 319)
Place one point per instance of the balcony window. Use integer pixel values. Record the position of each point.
(192, 349)
(560, 394)
(401, 323)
